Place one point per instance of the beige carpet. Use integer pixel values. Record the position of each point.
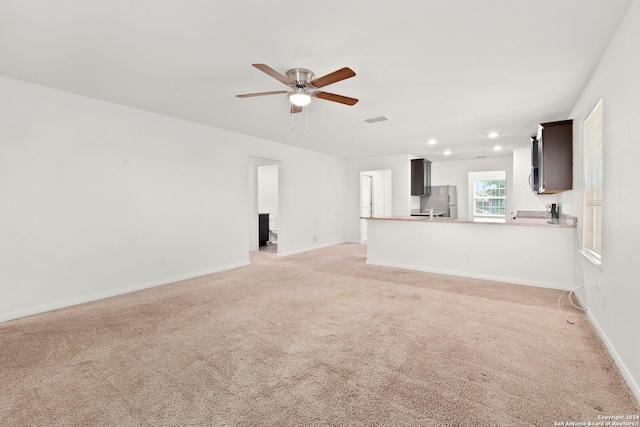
(318, 338)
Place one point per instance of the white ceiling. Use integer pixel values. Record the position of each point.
(452, 70)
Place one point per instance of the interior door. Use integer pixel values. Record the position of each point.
(366, 203)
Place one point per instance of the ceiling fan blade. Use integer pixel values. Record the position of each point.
(336, 76)
(335, 98)
(273, 73)
(295, 109)
(248, 95)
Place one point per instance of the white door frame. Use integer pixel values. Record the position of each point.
(366, 203)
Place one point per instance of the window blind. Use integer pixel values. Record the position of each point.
(592, 209)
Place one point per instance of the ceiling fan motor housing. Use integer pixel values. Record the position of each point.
(300, 78)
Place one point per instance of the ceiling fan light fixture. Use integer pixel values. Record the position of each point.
(299, 98)
(304, 86)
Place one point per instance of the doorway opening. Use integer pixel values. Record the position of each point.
(375, 197)
(265, 232)
(268, 208)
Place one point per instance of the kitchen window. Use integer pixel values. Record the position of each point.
(490, 198)
(592, 204)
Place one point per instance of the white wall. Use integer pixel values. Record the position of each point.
(400, 167)
(311, 194)
(88, 187)
(456, 172)
(442, 173)
(268, 190)
(523, 198)
(512, 254)
(616, 81)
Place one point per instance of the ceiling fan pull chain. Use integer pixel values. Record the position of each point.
(292, 126)
(307, 112)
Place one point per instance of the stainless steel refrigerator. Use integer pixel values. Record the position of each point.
(443, 200)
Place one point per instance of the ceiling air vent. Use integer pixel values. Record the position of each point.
(377, 119)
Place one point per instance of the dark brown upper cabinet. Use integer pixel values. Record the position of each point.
(552, 158)
(420, 177)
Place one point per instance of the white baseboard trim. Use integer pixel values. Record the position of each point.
(114, 292)
(635, 388)
(514, 280)
(311, 248)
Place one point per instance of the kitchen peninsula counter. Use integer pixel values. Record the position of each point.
(529, 250)
(562, 222)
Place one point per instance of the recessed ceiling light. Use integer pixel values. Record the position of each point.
(447, 152)
(497, 148)
(493, 135)
(432, 141)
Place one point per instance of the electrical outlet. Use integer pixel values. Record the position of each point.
(467, 256)
(138, 264)
(163, 261)
(604, 302)
(315, 238)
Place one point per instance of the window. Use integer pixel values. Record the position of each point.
(489, 198)
(592, 208)
(487, 194)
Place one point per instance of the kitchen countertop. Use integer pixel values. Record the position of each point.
(527, 218)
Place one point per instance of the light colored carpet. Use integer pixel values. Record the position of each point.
(318, 338)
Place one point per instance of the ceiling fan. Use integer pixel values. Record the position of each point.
(304, 86)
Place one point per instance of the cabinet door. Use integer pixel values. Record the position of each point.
(557, 161)
(263, 229)
(420, 177)
(536, 155)
(427, 177)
